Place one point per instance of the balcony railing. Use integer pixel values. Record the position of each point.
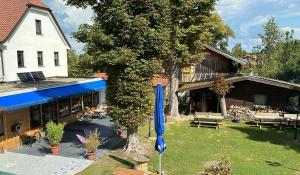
(192, 77)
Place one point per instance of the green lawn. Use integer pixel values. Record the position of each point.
(248, 148)
(190, 147)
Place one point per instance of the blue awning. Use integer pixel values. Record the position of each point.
(23, 100)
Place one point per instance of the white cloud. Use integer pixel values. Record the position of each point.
(256, 22)
(230, 8)
(295, 29)
(70, 18)
(71, 15)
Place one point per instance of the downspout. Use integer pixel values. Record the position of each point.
(2, 64)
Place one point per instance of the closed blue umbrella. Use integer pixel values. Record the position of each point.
(159, 122)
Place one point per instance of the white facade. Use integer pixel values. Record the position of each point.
(24, 38)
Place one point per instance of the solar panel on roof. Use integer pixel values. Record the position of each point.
(38, 76)
(25, 77)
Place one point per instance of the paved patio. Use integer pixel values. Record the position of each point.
(71, 146)
(25, 164)
(36, 159)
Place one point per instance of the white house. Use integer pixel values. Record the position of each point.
(30, 40)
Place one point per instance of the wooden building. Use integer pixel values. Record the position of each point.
(30, 106)
(249, 91)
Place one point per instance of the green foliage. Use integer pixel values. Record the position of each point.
(126, 41)
(221, 32)
(92, 141)
(267, 63)
(279, 54)
(79, 65)
(54, 132)
(237, 51)
(190, 26)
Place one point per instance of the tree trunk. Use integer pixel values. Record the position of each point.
(223, 106)
(174, 84)
(133, 142)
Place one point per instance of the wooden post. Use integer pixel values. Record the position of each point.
(71, 113)
(41, 115)
(57, 113)
(82, 104)
(4, 124)
(92, 99)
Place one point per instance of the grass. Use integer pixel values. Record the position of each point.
(251, 150)
(248, 148)
(106, 165)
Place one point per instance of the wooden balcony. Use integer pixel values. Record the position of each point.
(193, 77)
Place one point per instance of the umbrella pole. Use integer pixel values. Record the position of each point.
(160, 164)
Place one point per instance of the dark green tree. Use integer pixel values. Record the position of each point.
(221, 32)
(267, 63)
(79, 65)
(190, 26)
(126, 40)
(238, 51)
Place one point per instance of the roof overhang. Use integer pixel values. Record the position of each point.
(262, 80)
(226, 55)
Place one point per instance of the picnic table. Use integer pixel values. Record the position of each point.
(208, 119)
(269, 118)
(291, 119)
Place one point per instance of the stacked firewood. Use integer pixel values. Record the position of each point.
(266, 109)
(240, 113)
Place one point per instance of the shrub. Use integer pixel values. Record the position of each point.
(223, 167)
(55, 133)
(92, 141)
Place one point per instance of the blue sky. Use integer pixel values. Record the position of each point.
(245, 17)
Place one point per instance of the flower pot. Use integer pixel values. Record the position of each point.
(55, 149)
(121, 134)
(91, 155)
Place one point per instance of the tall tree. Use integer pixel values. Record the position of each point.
(190, 28)
(126, 40)
(79, 65)
(267, 64)
(238, 51)
(221, 32)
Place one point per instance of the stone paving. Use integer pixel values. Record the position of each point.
(36, 159)
(25, 164)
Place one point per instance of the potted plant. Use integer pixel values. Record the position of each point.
(55, 133)
(91, 144)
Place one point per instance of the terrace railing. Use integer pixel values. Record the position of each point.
(192, 77)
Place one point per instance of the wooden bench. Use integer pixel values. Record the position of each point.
(269, 118)
(208, 119)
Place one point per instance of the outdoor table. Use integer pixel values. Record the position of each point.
(208, 120)
(269, 118)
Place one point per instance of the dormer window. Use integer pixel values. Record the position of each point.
(38, 27)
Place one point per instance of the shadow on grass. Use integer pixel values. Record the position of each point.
(277, 164)
(123, 161)
(275, 136)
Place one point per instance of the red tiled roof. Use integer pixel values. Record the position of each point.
(11, 12)
(157, 79)
(160, 79)
(101, 75)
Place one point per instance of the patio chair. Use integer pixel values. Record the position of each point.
(208, 119)
(269, 118)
